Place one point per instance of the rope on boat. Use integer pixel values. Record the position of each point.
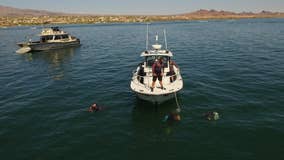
(178, 106)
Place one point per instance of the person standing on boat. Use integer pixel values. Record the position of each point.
(157, 70)
(172, 73)
(141, 73)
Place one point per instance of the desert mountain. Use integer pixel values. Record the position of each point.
(10, 11)
(14, 12)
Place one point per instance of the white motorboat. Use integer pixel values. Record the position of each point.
(50, 38)
(141, 81)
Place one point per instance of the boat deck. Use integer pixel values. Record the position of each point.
(170, 87)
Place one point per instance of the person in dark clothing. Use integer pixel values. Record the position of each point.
(141, 73)
(157, 70)
(172, 117)
(211, 115)
(172, 71)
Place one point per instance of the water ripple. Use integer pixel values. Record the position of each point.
(233, 67)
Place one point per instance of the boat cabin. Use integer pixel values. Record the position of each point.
(54, 34)
(48, 38)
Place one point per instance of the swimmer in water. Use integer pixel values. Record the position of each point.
(212, 115)
(172, 117)
(94, 107)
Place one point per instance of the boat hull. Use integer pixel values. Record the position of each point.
(50, 46)
(157, 99)
(23, 50)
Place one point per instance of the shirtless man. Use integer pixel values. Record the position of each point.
(157, 70)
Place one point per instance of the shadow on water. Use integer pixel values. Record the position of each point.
(148, 118)
(145, 106)
(54, 59)
(150, 133)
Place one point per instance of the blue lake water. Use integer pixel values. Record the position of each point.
(233, 67)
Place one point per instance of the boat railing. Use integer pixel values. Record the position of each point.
(139, 77)
(176, 74)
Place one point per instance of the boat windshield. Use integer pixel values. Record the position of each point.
(55, 29)
(151, 59)
(46, 38)
(64, 36)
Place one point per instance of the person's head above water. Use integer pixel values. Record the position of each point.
(212, 115)
(93, 107)
(176, 116)
(172, 117)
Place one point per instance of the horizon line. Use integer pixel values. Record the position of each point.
(140, 14)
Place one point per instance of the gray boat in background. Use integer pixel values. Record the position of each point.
(50, 38)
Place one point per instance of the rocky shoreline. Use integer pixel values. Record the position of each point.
(27, 20)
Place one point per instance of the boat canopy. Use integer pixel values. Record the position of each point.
(52, 31)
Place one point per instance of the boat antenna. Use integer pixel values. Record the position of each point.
(165, 36)
(147, 36)
(157, 38)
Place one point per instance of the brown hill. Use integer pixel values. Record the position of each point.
(215, 13)
(212, 12)
(14, 12)
(10, 16)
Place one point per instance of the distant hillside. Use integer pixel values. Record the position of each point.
(14, 12)
(10, 11)
(10, 16)
(202, 13)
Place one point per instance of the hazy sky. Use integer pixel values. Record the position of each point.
(146, 6)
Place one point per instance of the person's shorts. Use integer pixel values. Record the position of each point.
(158, 76)
(171, 73)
